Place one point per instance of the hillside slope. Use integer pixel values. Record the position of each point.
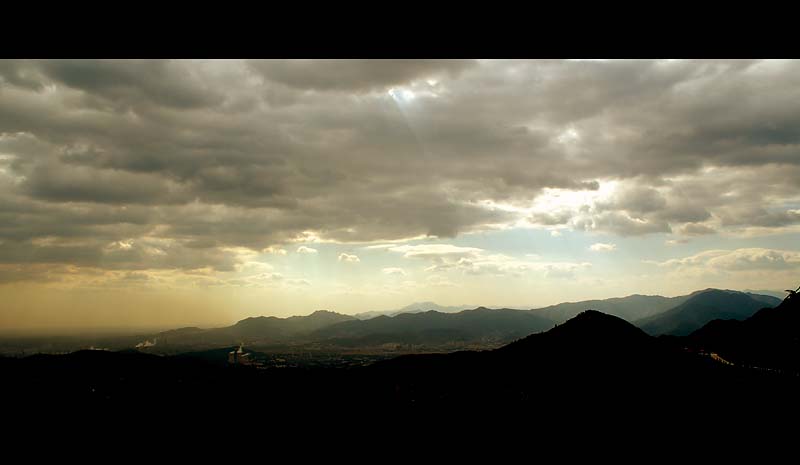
(480, 324)
(630, 308)
(703, 307)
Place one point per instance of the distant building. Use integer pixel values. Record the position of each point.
(239, 357)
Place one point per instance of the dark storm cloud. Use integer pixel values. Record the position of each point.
(209, 155)
(758, 216)
(107, 256)
(63, 183)
(639, 199)
(20, 73)
(129, 82)
(353, 75)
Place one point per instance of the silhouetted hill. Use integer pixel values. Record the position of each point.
(702, 307)
(592, 368)
(631, 308)
(480, 324)
(594, 363)
(592, 340)
(264, 325)
(182, 331)
(768, 339)
(589, 332)
(263, 329)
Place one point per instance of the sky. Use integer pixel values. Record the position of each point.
(147, 193)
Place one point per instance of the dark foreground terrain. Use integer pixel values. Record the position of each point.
(590, 370)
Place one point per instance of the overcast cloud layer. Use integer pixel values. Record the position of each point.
(190, 165)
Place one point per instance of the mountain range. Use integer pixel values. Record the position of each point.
(583, 372)
(704, 306)
(416, 307)
(254, 330)
(601, 364)
(769, 339)
(438, 330)
(432, 327)
(630, 308)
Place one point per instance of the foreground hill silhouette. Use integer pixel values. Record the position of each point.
(594, 364)
(592, 349)
(592, 367)
(704, 306)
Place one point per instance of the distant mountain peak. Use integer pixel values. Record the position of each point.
(251, 319)
(711, 290)
(324, 312)
(417, 307)
(704, 306)
(425, 306)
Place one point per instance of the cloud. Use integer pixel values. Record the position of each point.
(130, 82)
(66, 183)
(344, 257)
(696, 229)
(354, 75)
(746, 259)
(564, 270)
(208, 155)
(551, 219)
(476, 261)
(274, 250)
(394, 271)
(306, 250)
(436, 251)
(261, 280)
(622, 224)
(602, 247)
(672, 242)
(440, 281)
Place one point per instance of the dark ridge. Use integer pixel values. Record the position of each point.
(703, 307)
(770, 339)
(590, 334)
(633, 307)
(594, 366)
(432, 327)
